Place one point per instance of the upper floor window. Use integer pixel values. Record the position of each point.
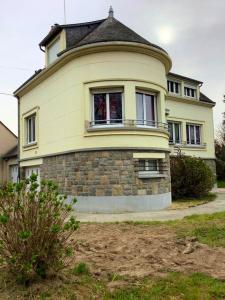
(175, 132)
(190, 92)
(193, 134)
(53, 50)
(173, 87)
(146, 109)
(107, 108)
(31, 129)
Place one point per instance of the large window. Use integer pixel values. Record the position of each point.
(31, 129)
(193, 134)
(107, 108)
(190, 92)
(175, 132)
(146, 109)
(173, 87)
(53, 50)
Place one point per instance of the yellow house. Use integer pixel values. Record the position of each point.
(95, 118)
(8, 155)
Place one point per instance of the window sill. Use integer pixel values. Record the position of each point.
(146, 174)
(30, 146)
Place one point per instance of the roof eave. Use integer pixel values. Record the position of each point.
(96, 48)
(184, 77)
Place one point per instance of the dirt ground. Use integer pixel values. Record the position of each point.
(123, 249)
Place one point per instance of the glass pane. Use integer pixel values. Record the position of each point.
(139, 108)
(100, 108)
(177, 132)
(115, 107)
(171, 86)
(152, 165)
(150, 110)
(170, 129)
(29, 131)
(176, 87)
(192, 134)
(187, 133)
(53, 50)
(141, 165)
(198, 137)
(33, 129)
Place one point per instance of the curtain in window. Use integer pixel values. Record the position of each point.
(150, 110)
(115, 107)
(100, 108)
(140, 109)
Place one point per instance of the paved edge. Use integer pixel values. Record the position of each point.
(217, 205)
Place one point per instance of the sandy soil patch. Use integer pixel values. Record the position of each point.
(140, 251)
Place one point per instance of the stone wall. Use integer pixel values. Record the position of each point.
(102, 173)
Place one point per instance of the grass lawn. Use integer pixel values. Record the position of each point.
(80, 282)
(191, 202)
(220, 184)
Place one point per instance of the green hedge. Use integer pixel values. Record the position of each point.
(190, 177)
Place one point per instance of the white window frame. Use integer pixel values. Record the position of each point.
(107, 92)
(144, 108)
(169, 82)
(190, 87)
(34, 123)
(147, 167)
(195, 138)
(173, 128)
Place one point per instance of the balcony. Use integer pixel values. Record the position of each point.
(125, 124)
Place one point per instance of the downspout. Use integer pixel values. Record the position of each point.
(18, 101)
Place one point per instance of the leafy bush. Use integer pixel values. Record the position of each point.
(190, 177)
(35, 228)
(220, 169)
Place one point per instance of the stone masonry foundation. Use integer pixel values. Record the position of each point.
(102, 174)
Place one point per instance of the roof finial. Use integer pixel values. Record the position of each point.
(111, 12)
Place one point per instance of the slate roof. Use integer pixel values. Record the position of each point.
(204, 98)
(74, 32)
(106, 30)
(184, 77)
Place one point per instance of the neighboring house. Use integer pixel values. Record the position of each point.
(8, 155)
(95, 118)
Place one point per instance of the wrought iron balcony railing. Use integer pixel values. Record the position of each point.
(186, 144)
(124, 123)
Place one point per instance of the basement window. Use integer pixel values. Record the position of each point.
(151, 168)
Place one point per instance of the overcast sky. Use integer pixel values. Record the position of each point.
(193, 32)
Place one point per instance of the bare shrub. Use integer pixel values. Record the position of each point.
(35, 228)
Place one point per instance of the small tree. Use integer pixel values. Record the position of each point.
(220, 150)
(35, 228)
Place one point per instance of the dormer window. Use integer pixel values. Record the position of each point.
(52, 50)
(173, 87)
(189, 92)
